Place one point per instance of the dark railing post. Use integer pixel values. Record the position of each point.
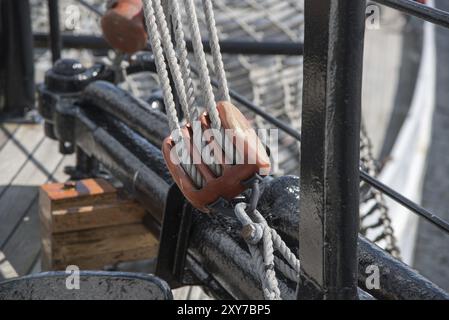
(55, 31)
(333, 55)
(16, 60)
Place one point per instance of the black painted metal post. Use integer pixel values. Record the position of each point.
(16, 60)
(55, 31)
(333, 54)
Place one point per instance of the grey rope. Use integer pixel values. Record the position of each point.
(181, 73)
(223, 91)
(205, 82)
(178, 79)
(172, 60)
(262, 241)
(200, 58)
(172, 116)
(181, 51)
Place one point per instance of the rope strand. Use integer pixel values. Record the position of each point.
(223, 90)
(170, 106)
(200, 58)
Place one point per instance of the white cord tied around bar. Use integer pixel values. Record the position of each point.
(262, 241)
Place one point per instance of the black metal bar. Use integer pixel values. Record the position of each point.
(419, 10)
(17, 87)
(257, 110)
(71, 41)
(55, 32)
(392, 275)
(329, 192)
(422, 212)
(90, 7)
(227, 46)
(253, 47)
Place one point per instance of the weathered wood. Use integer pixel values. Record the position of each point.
(22, 191)
(24, 245)
(61, 196)
(91, 224)
(95, 248)
(7, 130)
(16, 152)
(7, 271)
(87, 217)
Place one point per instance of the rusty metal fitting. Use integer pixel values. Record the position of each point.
(123, 26)
(230, 184)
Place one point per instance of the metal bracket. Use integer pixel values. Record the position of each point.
(174, 238)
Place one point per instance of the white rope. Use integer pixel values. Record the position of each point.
(170, 55)
(181, 74)
(181, 51)
(173, 122)
(200, 58)
(262, 245)
(223, 91)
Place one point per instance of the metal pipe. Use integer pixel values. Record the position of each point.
(90, 7)
(227, 46)
(55, 32)
(414, 8)
(413, 207)
(135, 113)
(333, 55)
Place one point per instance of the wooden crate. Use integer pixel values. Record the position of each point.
(91, 224)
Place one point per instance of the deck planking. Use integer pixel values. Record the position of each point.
(27, 160)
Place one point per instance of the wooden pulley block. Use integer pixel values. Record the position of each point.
(123, 26)
(251, 159)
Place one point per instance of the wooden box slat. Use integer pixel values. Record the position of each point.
(91, 224)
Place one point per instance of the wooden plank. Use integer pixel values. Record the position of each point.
(95, 248)
(6, 130)
(6, 269)
(36, 266)
(115, 212)
(24, 246)
(16, 151)
(59, 196)
(19, 196)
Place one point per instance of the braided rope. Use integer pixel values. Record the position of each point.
(286, 270)
(223, 90)
(200, 58)
(263, 253)
(171, 58)
(164, 79)
(181, 51)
